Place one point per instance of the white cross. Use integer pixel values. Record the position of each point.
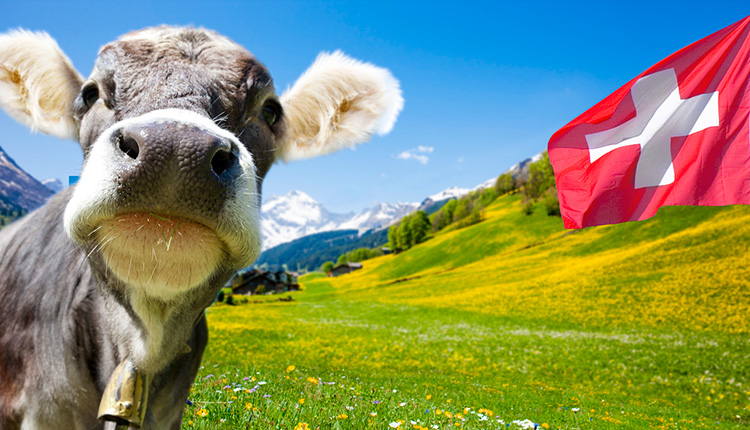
(660, 114)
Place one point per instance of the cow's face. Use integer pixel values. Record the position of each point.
(178, 128)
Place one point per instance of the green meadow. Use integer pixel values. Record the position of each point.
(510, 323)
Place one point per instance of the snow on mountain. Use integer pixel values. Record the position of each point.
(489, 183)
(55, 185)
(289, 217)
(18, 188)
(522, 167)
(296, 214)
(450, 193)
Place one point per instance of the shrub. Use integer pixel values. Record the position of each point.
(551, 203)
(527, 207)
(261, 289)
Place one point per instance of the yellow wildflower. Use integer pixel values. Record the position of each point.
(301, 401)
(248, 406)
(290, 368)
(302, 426)
(343, 416)
(201, 412)
(312, 380)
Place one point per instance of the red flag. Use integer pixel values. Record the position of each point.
(677, 134)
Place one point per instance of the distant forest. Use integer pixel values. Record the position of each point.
(310, 252)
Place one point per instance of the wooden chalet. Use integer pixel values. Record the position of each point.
(247, 282)
(345, 268)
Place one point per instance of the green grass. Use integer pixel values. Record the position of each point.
(643, 325)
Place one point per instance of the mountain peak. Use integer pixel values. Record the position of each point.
(18, 188)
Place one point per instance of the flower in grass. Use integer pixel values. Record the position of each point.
(343, 416)
(395, 424)
(249, 406)
(301, 401)
(290, 368)
(376, 402)
(429, 396)
(208, 376)
(448, 415)
(302, 426)
(202, 412)
(373, 414)
(312, 380)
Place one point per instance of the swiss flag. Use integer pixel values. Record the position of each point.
(677, 134)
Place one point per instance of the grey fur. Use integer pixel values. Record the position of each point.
(66, 320)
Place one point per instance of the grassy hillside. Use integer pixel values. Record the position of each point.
(688, 268)
(641, 325)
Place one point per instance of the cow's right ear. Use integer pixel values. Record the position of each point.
(38, 83)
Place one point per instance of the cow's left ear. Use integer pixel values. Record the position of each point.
(38, 83)
(337, 103)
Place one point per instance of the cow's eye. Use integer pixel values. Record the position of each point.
(271, 113)
(89, 95)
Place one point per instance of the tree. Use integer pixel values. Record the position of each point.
(405, 239)
(505, 184)
(463, 208)
(488, 196)
(449, 208)
(541, 178)
(540, 185)
(393, 237)
(419, 224)
(342, 260)
(439, 221)
(327, 267)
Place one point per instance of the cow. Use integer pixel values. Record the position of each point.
(178, 128)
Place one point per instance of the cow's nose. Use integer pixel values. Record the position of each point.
(175, 165)
(193, 148)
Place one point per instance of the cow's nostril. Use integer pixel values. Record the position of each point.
(129, 146)
(222, 161)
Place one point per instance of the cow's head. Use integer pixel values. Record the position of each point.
(178, 127)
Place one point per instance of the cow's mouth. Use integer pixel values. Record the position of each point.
(164, 254)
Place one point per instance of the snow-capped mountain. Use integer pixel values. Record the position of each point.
(289, 217)
(18, 188)
(296, 214)
(450, 193)
(522, 167)
(55, 185)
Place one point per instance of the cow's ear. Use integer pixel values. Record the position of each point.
(337, 103)
(38, 83)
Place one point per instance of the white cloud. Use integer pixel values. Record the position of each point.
(417, 154)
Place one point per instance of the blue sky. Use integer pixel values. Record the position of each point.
(485, 83)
